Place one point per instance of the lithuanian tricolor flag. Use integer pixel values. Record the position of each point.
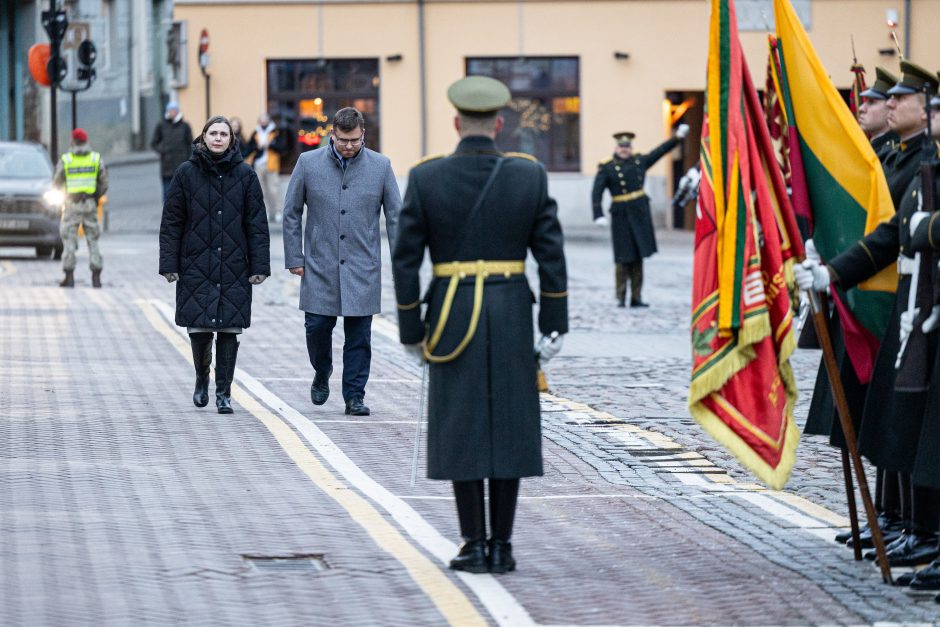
(838, 183)
(742, 390)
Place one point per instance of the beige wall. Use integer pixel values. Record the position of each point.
(666, 40)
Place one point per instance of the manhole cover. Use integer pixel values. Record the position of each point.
(314, 562)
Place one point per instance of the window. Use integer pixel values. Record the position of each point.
(305, 94)
(544, 117)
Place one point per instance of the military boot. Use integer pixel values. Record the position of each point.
(226, 349)
(202, 359)
(96, 278)
(69, 280)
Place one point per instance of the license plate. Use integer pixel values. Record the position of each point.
(14, 225)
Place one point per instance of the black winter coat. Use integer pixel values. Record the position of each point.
(174, 142)
(214, 234)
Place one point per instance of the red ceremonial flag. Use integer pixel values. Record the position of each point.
(742, 390)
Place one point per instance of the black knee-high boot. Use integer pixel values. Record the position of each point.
(226, 349)
(472, 517)
(503, 496)
(202, 359)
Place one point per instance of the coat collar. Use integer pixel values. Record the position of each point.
(477, 144)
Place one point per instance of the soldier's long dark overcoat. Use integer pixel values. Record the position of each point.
(891, 420)
(900, 164)
(483, 413)
(631, 223)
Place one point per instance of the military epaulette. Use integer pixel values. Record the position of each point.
(521, 155)
(428, 158)
(605, 161)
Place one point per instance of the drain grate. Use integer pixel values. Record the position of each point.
(313, 562)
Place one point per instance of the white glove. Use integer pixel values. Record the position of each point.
(682, 131)
(931, 322)
(916, 218)
(415, 352)
(257, 279)
(600, 221)
(907, 323)
(812, 276)
(171, 276)
(811, 252)
(548, 346)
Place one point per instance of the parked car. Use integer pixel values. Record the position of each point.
(30, 207)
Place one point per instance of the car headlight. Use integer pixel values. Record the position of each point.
(54, 198)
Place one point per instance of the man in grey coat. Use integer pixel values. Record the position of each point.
(345, 186)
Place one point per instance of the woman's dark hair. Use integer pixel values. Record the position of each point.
(348, 119)
(215, 119)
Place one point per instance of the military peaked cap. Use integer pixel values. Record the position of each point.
(884, 81)
(478, 94)
(624, 137)
(914, 80)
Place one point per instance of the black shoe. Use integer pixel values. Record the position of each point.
(889, 546)
(917, 549)
(904, 579)
(927, 578)
(320, 388)
(471, 558)
(69, 280)
(96, 278)
(226, 350)
(501, 560)
(202, 360)
(355, 407)
(621, 303)
(638, 303)
(891, 530)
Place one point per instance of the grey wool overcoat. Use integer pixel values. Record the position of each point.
(340, 246)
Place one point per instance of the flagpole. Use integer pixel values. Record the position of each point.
(848, 430)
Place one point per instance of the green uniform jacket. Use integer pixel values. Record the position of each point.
(483, 407)
(631, 222)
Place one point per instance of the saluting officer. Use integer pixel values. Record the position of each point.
(478, 212)
(85, 179)
(631, 222)
(891, 420)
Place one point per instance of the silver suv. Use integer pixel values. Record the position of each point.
(30, 208)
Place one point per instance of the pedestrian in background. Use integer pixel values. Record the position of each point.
(85, 179)
(631, 221)
(173, 140)
(264, 150)
(214, 242)
(478, 212)
(239, 135)
(345, 187)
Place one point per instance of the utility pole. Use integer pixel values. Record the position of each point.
(55, 22)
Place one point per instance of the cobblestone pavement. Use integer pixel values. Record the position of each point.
(121, 503)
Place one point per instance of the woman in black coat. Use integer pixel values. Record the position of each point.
(214, 241)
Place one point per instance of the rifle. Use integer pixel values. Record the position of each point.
(913, 362)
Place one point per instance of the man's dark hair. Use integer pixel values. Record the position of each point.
(348, 119)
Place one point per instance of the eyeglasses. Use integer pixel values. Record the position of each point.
(349, 143)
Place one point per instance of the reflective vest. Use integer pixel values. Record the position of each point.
(81, 172)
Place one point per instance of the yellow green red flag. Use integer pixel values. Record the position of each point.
(742, 390)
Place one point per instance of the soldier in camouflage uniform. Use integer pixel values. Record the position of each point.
(85, 179)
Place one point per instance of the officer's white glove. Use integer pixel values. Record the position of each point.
(916, 218)
(812, 276)
(415, 352)
(932, 320)
(171, 276)
(600, 221)
(682, 131)
(257, 279)
(811, 252)
(548, 346)
(906, 325)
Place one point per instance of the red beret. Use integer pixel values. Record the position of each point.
(79, 135)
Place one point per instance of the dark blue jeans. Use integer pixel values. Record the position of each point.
(357, 349)
(166, 186)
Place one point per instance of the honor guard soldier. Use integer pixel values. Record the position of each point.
(892, 419)
(873, 113)
(85, 179)
(478, 212)
(631, 222)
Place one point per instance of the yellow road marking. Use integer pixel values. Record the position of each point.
(449, 599)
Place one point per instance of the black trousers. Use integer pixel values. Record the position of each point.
(471, 511)
(632, 272)
(357, 349)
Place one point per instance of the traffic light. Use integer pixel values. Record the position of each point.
(87, 54)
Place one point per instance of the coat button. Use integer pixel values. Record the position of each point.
(218, 285)
(220, 213)
(345, 186)
(343, 211)
(342, 261)
(342, 237)
(220, 249)
(213, 320)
